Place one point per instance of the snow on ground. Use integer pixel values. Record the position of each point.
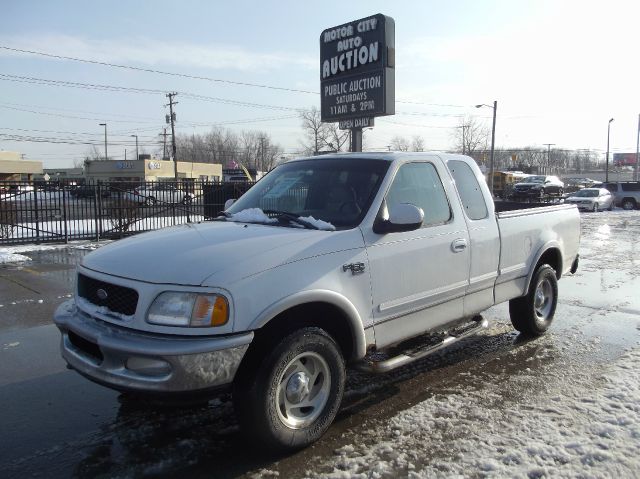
(7, 257)
(592, 431)
(12, 254)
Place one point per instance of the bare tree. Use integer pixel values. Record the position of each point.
(336, 139)
(417, 143)
(314, 130)
(399, 143)
(93, 154)
(471, 136)
(252, 149)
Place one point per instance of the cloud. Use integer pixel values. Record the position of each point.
(153, 53)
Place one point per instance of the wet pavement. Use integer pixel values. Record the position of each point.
(424, 419)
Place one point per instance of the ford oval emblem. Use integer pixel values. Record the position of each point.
(102, 294)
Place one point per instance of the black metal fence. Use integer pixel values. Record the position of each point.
(45, 213)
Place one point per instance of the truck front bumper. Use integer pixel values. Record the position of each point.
(130, 360)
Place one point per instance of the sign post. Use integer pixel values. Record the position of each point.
(357, 74)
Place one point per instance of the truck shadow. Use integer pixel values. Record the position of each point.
(148, 438)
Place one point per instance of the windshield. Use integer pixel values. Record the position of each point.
(586, 193)
(338, 191)
(535, 179)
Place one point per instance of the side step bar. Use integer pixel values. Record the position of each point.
(386, 365)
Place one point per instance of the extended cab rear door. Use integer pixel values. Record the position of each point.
(419, 277)
(479, 214)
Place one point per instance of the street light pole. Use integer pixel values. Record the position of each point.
(106, 155)
(549, 145)
(137, 155)
(606, 170)
(493, 141)
(637, 150)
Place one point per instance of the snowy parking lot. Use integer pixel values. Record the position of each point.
(495, 405)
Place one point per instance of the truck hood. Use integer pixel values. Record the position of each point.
(214, 253)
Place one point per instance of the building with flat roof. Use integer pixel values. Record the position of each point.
(14, 168)
(150, 170)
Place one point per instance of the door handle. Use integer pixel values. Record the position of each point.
(459, 245)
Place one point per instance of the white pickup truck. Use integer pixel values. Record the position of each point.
(326, 261)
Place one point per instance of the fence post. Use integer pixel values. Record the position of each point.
(96, 210)
(37, 215)
(64, 215)
(120, 225)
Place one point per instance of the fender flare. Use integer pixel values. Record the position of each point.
(553, 244)
(318, 296)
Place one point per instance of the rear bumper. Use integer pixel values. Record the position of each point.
(130, 360)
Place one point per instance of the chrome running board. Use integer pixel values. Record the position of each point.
(371, 365)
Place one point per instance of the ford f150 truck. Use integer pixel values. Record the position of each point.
(326, 261)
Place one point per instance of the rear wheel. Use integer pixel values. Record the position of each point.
(532, 314)
(292, 397)
(628, 204)
(150, 200)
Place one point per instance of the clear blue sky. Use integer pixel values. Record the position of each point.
(559, 70)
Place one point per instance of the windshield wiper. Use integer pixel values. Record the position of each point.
(291, 217)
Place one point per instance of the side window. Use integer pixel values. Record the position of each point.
(630, 186)
(420, 185)
(472, 198)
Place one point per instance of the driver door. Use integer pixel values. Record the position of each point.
(419, 277)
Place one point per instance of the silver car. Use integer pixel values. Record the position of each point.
(592, 199)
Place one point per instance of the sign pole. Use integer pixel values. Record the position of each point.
(356, 139)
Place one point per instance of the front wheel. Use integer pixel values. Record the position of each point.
(532, 314)
(292, 397)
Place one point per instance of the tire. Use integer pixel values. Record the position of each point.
(533, 313)
(305, 367)
(628, 204)
(150, 200)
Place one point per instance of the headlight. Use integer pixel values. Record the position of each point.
(174, 308)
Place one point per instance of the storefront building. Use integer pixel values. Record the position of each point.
(14, 168)
(151, 170)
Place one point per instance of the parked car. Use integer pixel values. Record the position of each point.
(372, 249)
(153, 194)
(592, 199)
(88, 191)
(538, 186)
(626, 194)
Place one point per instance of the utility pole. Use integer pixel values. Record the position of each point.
(106, 155)
(172, 118)
(137, 154)
(549, 145)
(164, 143)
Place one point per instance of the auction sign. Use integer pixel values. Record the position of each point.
(357, 75)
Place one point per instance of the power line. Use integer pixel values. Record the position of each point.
(71, 116)
(102, 115)
(160, 72)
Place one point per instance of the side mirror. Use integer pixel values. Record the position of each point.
(398, 218)
(228, 203)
